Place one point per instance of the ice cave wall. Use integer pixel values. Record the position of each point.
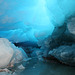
(32, 20)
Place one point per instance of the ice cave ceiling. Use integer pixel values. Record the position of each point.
(32, 20)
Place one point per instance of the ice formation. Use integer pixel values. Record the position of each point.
(45, 22)
(29, 20)
(6, 52)
(24, 20)
(10, 55)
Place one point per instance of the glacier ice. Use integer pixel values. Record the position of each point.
(6, 52)
(24, 20)
(10, 55)
(35, 20)
(29, 20)
(65, 54)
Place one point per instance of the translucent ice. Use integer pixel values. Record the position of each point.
(9, 54)
(32, 20)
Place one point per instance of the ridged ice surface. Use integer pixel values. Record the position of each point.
(32, 20)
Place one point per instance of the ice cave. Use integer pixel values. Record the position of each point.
(37, 37)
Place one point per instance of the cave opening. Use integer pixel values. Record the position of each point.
(37, 37)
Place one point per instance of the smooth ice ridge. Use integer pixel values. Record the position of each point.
(32, 20)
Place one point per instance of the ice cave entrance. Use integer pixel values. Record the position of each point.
(37, 37)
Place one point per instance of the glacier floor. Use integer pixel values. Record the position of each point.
(35, 67)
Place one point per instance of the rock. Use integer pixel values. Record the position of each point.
(65, 54)
(37, 53)
(62, 46)
(62, 35)
(58, 31)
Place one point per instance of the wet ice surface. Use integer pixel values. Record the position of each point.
(35, 67)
